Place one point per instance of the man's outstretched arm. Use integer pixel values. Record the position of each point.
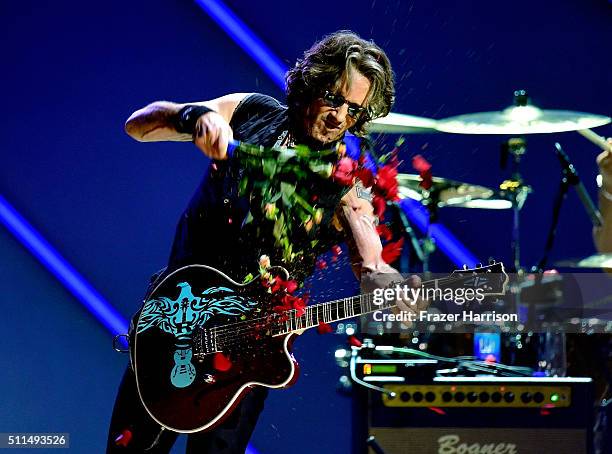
(355, 215)
(211, 131)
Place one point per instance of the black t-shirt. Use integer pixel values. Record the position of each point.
(211, 229)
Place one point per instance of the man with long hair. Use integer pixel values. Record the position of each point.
(339, 85)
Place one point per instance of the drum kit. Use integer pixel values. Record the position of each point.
(516, 121)
(549, 306)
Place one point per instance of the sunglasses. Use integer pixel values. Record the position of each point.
(335, 100)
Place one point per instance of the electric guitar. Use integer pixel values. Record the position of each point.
(203, 340)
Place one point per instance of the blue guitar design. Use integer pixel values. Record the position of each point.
(182, 315)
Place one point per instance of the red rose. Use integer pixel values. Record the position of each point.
(324, 328)
(392, 251)
(289, 302)
(344, 172)
(384, 232)
(124, 438)
(291, 286)
(366, 176)
(279, 284)
(380, 204)
(353, 341)
(221, 362)
(386, 182)
(421, 165)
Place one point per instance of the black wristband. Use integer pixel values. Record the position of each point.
(186, 118)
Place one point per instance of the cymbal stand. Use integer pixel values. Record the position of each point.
(414, 240)
(431, 201)
(516, 191)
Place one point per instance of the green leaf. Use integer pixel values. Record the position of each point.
(285, 155)
(279, 227)
(299, 200)
(287, 189)
(321, 168)
(287, 192)
(269, 167)
(275, 197)
(243, 185)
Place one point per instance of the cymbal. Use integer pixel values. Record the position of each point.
(594, 261)
(518, 120)
(401, 123)
(451, 193)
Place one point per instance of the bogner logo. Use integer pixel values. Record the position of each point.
(451, 444)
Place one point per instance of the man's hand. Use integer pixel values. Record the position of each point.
(409, 305)
(212, 135)
(604, 161)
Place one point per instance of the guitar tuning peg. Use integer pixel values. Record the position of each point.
(492, 261)
(479, 265)
(465, 266)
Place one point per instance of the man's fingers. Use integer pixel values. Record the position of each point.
(413, 281)
(405, 306)
(222, 143)
(230, 138)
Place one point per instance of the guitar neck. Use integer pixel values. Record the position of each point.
(342, 309)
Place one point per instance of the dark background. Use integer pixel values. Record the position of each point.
(74, 71)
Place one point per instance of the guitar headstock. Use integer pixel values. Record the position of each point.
(491, 279)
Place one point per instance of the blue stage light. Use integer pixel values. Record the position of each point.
(61, 269)
(445, 240)
(246, 39)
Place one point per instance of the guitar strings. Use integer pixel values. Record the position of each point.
(226, 335)
(236, 337)
(230, 326)
(356, 297)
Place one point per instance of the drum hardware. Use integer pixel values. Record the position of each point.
(428, 243)
(521, 119)
(452, 193)
(594, 261)
(516, 121)
(515, 189)
(410, 186)
(443, 193)
(414, 240)
(395, 123)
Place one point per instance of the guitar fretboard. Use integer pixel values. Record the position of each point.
(337, 310)
(295, 320)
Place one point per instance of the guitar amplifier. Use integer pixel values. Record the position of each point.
(462, 415)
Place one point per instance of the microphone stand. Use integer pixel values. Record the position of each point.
(575, 181)
(569, 177)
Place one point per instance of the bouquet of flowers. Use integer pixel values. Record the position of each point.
(285, 182)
